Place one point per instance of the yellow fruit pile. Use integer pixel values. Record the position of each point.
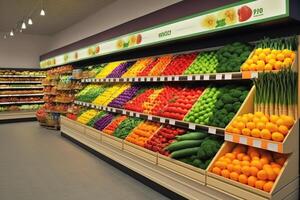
(85, 117)
(268, 59)
(109, 94)
(137, 67)
(108, 69)
(263, 126)
(251, 166)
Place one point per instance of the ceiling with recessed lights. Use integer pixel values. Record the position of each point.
(60, 14)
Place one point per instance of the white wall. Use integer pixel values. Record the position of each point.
(114, 14)
(23, 50)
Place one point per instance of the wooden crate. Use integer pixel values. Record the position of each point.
(238, 190)
(140, 152)
(93, 133)
(113, 141)
(71, 124)
(183, 169)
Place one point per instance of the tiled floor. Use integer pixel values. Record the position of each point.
(38, 164)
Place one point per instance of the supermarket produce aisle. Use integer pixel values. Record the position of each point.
(39, 164)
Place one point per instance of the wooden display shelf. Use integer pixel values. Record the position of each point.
(20, 102)
(22, 76)
(13, 88)
(112, 141)
(93, 133)
(182, 185)
(287, 146)
(286, 182)
(20, 82)
(21, 95)
(182, 168)
(22, 114)
(141, 152)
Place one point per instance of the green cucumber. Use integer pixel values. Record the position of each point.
(183, 145)
(192, 136)
(185, 152)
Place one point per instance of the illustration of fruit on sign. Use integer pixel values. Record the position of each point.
(91, 51)
(120, 44)
(97, 50)
(138, 38)
(244, 13)
(132, 40)
(209, 22)
(226, 17)
(66, 57)
(76, 55)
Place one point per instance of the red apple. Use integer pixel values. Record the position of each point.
(139, 39)
(245, 13)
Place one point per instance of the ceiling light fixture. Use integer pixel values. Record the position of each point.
(30, 21)
(43, 13)
(11, 33)
(23, 25)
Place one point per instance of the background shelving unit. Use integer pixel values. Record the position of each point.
(21, 93)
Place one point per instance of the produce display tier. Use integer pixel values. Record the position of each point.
(53, 111)
(12, 88)
(11, 115)
(20, 95)
(25, 102)
(198, 77)
(179, 123)
(188, 181)
(19, 82)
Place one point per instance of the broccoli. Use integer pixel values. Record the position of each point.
(219, 104)
(226, 98)
(229, 107)
(209, 147)
(236, 106)
(207, 162)
(243, 97)
(197, 163)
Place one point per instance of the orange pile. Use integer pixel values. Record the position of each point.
(268, 59)
(248, 165)
(142, 133)
(263, 126)
(161, 65)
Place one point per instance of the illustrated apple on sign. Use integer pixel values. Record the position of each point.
(244, 13)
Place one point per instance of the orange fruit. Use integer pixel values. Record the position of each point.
(236, 131)
(260, 125)
(245, 163)
(221, 164)
(229, 129)
(276, 170)
(250, 125)
(267, 166)
(250, 116)
(267, 51)
(231, 156)
(278, 137)
(266, 134)
(252, 67)
(256, 119)
(234, 176)
(243, 179)
(249, 61)
(264, 161)
(239, 149)
(259, 114)
(227, 160)
(246, 170)
(246, 131)
(280, 57)
(280, 121)
(262, 175)
(264, 119)
(230, 167)
(255, 133)
(244, 119)
(274, 165)
(240, 125)
(262, 56)
(283, 129)
(237, 168)
(287, 62)
(271, 126)
(246, 158)
(271, 174)
(268, 186)
(272, 61)
(225, 173)
(258, 51)
(253, 171)
(260, 65)
(268, 67)
(252, 180)
(240, 156)
(278, 65)
(216, 170)
(260, 184)
(274, 118)
(235, 162)
(255, 58)
(234, 123)
(255, 158)
(287, 120)
(245, 67)
(256, 163)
